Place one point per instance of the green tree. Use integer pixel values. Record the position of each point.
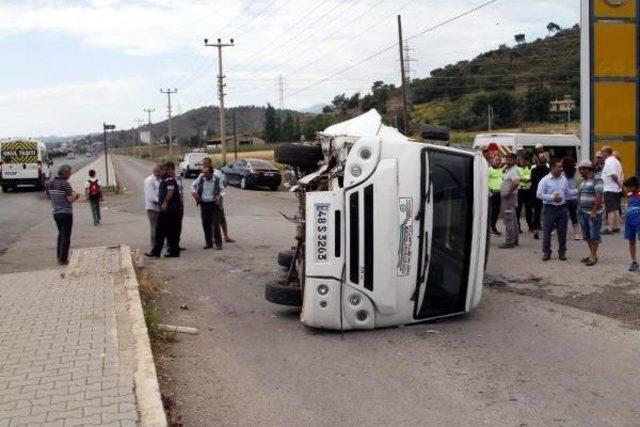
(288, 129)
(271, 125)
(537, 104)
(340, 103)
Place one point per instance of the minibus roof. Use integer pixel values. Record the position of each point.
(526, 140)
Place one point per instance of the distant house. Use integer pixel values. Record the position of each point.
(562, 106)
(243, 139)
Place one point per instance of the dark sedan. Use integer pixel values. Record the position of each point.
(252, 173)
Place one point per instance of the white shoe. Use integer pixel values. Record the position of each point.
(577, 237)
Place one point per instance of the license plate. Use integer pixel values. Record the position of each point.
(270, 174)
(321, 231)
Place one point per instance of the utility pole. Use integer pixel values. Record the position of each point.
(405, 103)
(221, 86)
(149, 111)
(490, 116)
(281, 92)
(235, 136)
(169, 92)
(136, 139)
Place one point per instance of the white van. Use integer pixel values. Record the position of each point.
(390, 231)
(23, 161)
(191, 164)
(557, 145)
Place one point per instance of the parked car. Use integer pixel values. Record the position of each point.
(191, 164)
(252, 173)
(71, 155)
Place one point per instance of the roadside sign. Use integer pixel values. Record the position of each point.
(109, 127)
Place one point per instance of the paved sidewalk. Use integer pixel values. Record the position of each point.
(71, 347)
(80, 177)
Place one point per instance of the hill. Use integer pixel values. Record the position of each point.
(517, 82)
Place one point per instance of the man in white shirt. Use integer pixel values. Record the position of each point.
(151, 187)
(612, 178)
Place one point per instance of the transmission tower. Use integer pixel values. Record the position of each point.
(281, 92)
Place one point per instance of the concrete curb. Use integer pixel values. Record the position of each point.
(147, 389)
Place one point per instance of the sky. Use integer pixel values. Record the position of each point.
(70, 65)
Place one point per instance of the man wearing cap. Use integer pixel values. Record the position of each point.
(590, 210)
(509, 201)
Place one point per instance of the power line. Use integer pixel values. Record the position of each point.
(292, 53)
(386, 49)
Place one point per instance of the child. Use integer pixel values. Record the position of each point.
(93, 191)
(632, 220)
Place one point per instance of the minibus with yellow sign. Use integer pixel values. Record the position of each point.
(23, 162)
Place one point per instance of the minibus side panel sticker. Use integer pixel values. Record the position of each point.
(405, 223)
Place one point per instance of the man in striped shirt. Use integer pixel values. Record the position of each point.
(62, 196)
(590, 210)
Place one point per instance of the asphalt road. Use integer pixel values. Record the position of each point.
(518, 361)
(21, 210)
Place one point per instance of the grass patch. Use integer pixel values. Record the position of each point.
(148, 291)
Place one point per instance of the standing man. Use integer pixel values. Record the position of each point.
(208, 192)
(590, 210)
(553, 191)
(151, 187)
(495, 185)
(62, 196)
(538, 172)
(509, 201)
(223, 218)
(93, 192)
(168, 226)
(524, 193)
(611, 176)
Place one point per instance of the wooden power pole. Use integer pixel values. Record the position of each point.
(405, 102)
(169, 92)
(221, 86)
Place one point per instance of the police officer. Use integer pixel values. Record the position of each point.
(495, 185)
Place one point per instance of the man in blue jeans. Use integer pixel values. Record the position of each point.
(553, 191)
(590, 210)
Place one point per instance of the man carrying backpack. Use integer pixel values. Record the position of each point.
(93, 191)
(208, 193)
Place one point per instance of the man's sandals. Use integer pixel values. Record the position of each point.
(588, 261)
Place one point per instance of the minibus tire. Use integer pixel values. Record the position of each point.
(285, 259)
(303, 156)
(5, 189)
(278, 293)
(435, 133)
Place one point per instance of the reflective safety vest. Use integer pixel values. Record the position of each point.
(495, 179)
(525, 177)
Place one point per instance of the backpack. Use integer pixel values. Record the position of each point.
(94, 190)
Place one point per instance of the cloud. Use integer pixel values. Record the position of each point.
(303, 40)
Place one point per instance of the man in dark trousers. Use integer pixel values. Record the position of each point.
(62, 196)
(168, 225)
(208, 192)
